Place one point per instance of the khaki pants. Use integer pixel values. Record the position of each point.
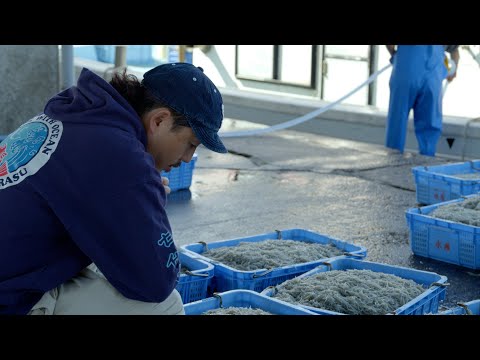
(90, 293)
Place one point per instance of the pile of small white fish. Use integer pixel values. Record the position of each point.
(236, 311)
(468, 176)
(353, 292)
(465, 212)
(270, 254)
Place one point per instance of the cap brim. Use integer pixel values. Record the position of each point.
(210, 140)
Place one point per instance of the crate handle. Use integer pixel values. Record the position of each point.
(439, 284)
(279, 234)
(352, 254)
(204, 245)
(465, 307)
(188, 272)
(473, 166)
(215, 295)
(273, 287)
(263, 274)
(327, 264)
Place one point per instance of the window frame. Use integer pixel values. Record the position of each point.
(276, 70)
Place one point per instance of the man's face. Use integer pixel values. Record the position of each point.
(169, 147)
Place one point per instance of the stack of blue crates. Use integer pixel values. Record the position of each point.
(435, 184)
(444, 240)
(227, 278)
(193, 284)
(427, 302)
(137, 55)
(181, 177)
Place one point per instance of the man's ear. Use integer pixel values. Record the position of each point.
(156, 118)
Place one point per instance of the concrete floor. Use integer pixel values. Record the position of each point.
(352, 191)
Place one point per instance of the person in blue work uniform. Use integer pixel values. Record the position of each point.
(83, 227)
(416, 83)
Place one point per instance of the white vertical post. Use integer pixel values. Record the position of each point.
(68, 71)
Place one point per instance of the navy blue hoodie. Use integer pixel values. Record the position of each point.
(76, 186)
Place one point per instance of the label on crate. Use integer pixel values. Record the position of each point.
(443, 244)
(440, 195)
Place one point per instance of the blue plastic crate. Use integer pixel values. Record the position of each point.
(245, 298)
(468, 308)
(443, 240)
(427, 302)
(181, 177)
(137, 55)
(435, 184)
(179, 196)
(85, 52)
(228, 278)
(194, 284)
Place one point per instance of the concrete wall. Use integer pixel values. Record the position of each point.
(29, 77)
(359, 123)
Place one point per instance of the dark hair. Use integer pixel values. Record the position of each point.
(141, 99)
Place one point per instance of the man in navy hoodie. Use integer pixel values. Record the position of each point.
(80, 183)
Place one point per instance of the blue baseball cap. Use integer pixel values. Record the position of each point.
(186, 89)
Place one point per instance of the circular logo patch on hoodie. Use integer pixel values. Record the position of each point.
(28, 149)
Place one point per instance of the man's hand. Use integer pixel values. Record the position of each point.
(165, 183)
(452, 71)
(452, 76)
(455, 57)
